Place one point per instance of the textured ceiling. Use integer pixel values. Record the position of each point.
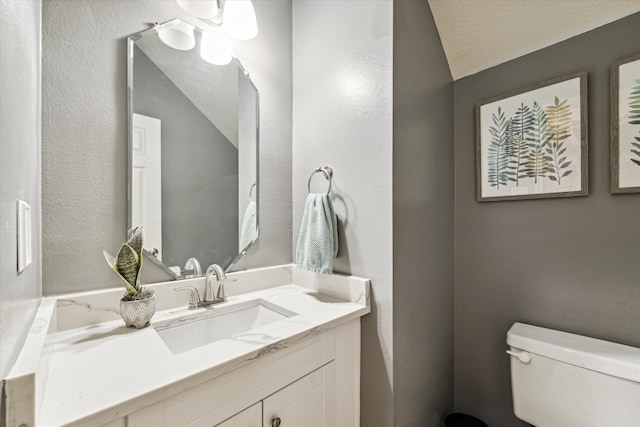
(479, 34)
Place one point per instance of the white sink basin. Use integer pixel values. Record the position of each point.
(217, 323)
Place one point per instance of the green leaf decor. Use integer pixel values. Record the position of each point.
(128, 262)
(521, 124)
(537, 137)
(634, 119)
(634, 105)
(559, 129)
(497, 154)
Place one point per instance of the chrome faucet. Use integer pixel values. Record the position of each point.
(210, 297)
(221, 279)
(219, 272)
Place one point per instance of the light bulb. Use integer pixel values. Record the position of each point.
(214, 49)
(178, 35)
(240, 19)
(204, 9)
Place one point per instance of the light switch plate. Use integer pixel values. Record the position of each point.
(24, 235)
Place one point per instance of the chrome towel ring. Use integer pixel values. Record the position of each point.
(328, 174)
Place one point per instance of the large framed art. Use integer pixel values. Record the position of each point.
(532, 143)
(625, 125)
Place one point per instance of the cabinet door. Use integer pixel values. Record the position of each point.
(306, 402)
(250, 417)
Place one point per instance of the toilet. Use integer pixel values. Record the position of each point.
(560, 379)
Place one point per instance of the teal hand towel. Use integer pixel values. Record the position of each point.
(248, 230)
(318, 240)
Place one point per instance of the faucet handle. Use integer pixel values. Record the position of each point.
(194, 296)
(221, 287)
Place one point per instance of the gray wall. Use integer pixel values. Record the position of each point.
(342, 57)
(20, 85)
(199, 172)
(422, 219)
(85, 132)
(568, 264)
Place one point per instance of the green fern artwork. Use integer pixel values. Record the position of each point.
(634, 119)
(558, 131)
(497, 156)
(532, 143)
(521, 125)
(537, 138)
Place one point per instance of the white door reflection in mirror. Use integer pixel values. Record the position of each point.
(147, 180)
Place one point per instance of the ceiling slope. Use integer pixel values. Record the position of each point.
(479, 34)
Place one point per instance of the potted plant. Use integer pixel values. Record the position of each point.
(138, 304)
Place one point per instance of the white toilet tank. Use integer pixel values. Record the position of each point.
(565, 380)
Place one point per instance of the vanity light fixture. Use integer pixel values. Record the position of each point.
(203, 9)
(214, 49)
(178, 35)
(240, 19)
(237, 17)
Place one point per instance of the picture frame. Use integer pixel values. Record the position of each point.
(625, 125)
(532, 143)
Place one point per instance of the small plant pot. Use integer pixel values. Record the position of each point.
(138, 313)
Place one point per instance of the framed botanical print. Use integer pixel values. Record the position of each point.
(532, 143)
(625, 125)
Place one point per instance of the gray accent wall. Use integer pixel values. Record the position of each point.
(422, 219)
(342, 86)
(569, 264)
(84, 147)
(20, 88)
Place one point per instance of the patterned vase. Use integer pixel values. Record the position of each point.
(138, 313)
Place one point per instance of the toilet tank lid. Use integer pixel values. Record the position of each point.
(619, 360)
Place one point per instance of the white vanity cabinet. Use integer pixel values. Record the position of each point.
(313, 383)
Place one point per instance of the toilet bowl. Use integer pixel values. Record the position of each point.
(560, 379)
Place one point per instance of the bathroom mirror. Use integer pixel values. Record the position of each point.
(193, 149)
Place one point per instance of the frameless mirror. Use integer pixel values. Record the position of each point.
(193, 146)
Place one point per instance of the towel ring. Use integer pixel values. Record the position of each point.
(328, 174)
(251, 191)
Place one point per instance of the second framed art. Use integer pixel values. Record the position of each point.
(625, 125)
(532, 143)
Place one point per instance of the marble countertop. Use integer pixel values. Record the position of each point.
(99, 372)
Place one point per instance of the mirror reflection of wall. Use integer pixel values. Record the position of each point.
(247, 155)
(208, 147)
